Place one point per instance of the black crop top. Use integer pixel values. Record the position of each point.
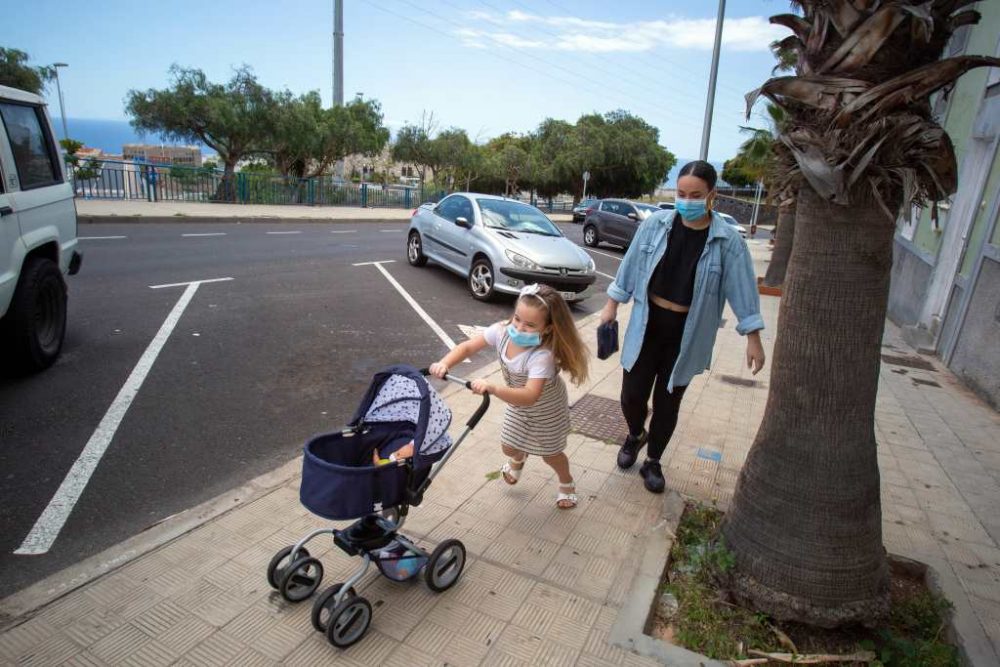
(673, 278)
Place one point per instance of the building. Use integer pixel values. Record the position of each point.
(945, 290)
(184, 156)
(377, 167)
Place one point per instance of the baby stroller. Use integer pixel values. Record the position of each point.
(340, 481)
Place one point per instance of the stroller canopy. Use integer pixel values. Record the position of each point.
(402, 394)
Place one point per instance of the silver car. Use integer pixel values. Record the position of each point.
(498, 245)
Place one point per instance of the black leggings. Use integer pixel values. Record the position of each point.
(651, 373)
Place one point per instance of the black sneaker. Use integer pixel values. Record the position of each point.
(652, 476)
(630, 450)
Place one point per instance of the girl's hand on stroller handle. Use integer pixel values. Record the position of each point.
(481, 387)
(438, 370)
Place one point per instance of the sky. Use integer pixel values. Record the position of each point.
(487, 66)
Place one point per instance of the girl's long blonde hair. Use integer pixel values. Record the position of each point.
(562, 338)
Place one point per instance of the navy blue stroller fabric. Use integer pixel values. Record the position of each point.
(338, 478)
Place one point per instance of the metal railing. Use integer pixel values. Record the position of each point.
(114, 179)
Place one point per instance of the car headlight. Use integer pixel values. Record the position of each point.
(590, 264)
(521, 261)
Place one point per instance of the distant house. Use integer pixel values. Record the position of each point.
(184, 156)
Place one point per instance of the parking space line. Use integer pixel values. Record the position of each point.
(601, 273)
(205, 234)
(390, 231)
(435, 327)
(598, 252)
(343, 231)
(99, 238)
(289, 232)
(48, 526)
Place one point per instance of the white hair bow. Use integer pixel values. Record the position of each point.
(528, 290)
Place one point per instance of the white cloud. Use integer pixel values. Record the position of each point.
(568, 33)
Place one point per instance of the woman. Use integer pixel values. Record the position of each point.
(680, 268)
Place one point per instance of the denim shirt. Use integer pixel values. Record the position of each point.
(725, 272)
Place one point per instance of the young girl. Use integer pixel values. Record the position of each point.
(534, 345)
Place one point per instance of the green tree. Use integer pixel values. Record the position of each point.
(83, 170)
(233, 118)
(859, 145)
(735, 172)
(17, 73)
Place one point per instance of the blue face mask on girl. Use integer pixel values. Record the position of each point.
(691, 209)
(524, 339)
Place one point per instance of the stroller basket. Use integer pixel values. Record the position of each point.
(340, 482)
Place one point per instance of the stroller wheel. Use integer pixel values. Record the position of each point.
(301, 579)
(349, 622)
(445, 565)
(391, 514)
(324, 605)
(275, 569)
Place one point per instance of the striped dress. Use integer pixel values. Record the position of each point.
(538, 429)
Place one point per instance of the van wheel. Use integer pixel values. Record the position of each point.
(590, 236)
(35, 323)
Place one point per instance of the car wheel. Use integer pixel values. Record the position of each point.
(35, 324)
(415, 250)
(481, 280)
(590, 236)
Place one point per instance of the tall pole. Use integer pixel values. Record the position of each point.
(338, 53)
(338, 68)
(62, 102)
(706, 130)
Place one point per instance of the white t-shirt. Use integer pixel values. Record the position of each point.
(539, 362)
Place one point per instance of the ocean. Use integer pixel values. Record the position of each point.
(111, 135)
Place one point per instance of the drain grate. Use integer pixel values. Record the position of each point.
(599, 418)
(739, 382)
(909, 362)
(926, 383)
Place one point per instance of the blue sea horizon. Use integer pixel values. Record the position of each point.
(111, 135)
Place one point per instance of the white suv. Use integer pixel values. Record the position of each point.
(38, 241)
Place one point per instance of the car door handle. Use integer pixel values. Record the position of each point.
(6, 210)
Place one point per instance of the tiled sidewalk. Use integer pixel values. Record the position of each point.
(542, 586)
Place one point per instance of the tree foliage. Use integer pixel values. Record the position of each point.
(17, 73)
(83, 171)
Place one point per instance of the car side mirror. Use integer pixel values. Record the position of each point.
(633, 216)
(462, 221)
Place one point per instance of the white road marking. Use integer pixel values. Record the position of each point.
(200, 282)
(99, 238)
(435, 327)
(205, 234)
(343, 231)
(601, 273)
(598, 252)
(390, 231)
(289, 232)
(48, 526)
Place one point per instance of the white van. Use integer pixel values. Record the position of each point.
(38, 243)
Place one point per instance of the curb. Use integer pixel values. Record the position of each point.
(15, 608)
(88, 219)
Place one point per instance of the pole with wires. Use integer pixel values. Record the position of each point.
(706, 129)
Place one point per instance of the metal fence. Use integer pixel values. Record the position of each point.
(112, 179)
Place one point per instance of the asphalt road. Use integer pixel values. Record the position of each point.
(253, 367)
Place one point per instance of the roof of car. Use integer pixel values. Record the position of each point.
(18, 95)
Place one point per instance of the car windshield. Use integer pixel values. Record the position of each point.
(516, 217)
(646, 209)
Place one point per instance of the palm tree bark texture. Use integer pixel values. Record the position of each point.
(859, 142)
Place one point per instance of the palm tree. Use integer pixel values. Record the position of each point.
(859, 142)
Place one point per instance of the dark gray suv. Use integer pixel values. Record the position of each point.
(614, 221)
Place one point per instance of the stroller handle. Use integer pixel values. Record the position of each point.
(480, 411)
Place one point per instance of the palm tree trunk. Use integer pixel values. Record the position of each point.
(805, 523)
(785, 236)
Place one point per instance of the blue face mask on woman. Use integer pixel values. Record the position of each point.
(691, 209)
(523, 338)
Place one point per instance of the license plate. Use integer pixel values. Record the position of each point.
(568, 296)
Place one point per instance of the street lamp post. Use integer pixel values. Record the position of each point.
(62, 102)
(706, 130)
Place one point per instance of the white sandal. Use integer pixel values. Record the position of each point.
(509, 472)
(570, 498)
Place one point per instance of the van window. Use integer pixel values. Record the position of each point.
(30, 144)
